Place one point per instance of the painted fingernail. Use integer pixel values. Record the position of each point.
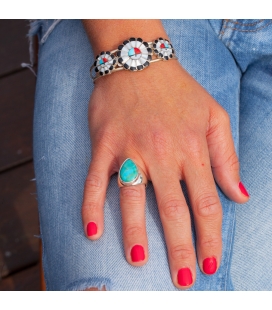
(137, 253)
(243, 189)
(209, 265)
(91, 229)
(185, 277)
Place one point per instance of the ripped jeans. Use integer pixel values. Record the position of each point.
(232, 60)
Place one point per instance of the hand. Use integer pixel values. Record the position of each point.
(173, 130)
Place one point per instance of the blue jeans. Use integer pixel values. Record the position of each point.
(232, 60)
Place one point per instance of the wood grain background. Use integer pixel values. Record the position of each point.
(19, 227)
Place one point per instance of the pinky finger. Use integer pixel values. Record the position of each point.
(94, 197)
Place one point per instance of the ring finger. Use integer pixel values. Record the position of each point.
(132, 202)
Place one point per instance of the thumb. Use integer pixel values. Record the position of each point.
(224, 160)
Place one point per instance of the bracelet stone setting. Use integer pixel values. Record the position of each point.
(163, 49)
(104, 63)
(133, 54)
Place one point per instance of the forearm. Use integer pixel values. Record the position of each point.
(107, 34)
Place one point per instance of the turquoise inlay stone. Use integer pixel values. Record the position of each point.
(166, 45)
(131, 52)
(128, 171)
(101, 62)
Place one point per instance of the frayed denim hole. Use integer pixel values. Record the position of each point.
(84, 284)
(49, 30)
(36, 27)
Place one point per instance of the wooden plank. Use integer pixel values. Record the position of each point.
(16, 114)
(19, 247)
(26, 280)
(14, 44)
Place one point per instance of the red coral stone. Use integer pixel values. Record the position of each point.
(137, 51)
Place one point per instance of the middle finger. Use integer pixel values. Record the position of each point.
(175, 217)
(207, 211)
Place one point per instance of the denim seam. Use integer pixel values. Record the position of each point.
(227, 37)
(242, 30)
(246, 25)
(223, 28)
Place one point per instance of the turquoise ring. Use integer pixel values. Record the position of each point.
(129, 174)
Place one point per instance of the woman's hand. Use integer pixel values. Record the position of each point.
(173, 130)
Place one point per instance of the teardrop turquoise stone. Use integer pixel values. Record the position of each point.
(128, 171)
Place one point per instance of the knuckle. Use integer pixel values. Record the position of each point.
(225, 117)
(105, 135)
(105, 141)
(234, 162)
(160, 142)
(208, 206)
(132, 193)
(182, 252)
(93, 182)
(195, 146)
(90, 208)
(210, 242)
(133, 231)
(174, 209)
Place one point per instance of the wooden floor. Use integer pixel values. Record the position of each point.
(19, 228)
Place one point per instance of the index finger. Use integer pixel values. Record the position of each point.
(94, 195)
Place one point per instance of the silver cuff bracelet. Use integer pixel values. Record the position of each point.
(134, 55)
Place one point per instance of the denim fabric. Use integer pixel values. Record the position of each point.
(231, 59)
(250, 42)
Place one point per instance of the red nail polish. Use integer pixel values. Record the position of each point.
(209, 265)
(185, 277)
(243, 189)
(91, 229)
(137, 253)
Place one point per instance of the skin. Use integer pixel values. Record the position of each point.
(182, 134)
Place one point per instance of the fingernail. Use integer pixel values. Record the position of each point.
(209, 265)
(243, 189)
(185, 277)
(91, 229)
(137, 253)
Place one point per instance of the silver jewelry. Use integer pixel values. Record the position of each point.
(130, 174)
(134, 55)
